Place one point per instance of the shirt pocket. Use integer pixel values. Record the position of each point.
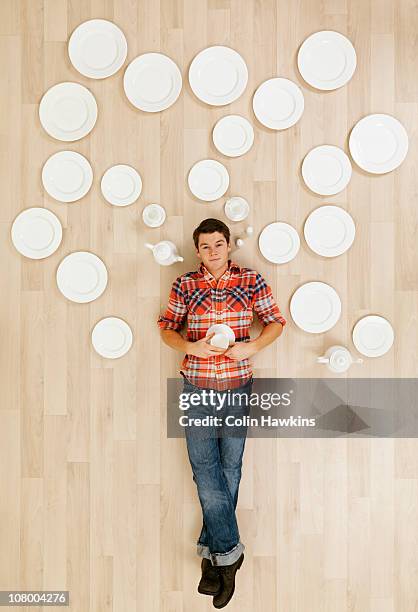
(200, 301)
(237, 299)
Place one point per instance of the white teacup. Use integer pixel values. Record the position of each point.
(220, 340)
(153, 215)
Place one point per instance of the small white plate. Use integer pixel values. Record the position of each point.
(327, 60)
(153, 215)
(236, 208)
(233, 135)
(152, 82)
(279, 242)
(97, 48)
(326, 170)
(121, 185)
(208, 180)
(218, 75)
(373, 336)
(315, 307)
(81, 276)
(378, 143)
(67, 176)
(68, 111)
(329, 231)
(111, 337)
(278, 103)
(36, 233)
(222, 328)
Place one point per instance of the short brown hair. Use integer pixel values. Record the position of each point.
(208, 226)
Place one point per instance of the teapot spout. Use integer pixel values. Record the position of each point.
(322, 360)
(149, 246)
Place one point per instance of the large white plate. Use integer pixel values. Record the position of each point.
(233, 135)
(97, 48)
(327, 60)
(329, 231)
(279, 242)
(152, 82)
(36, 232)
(111, 337)
(315, 307)
(121, 185)
(378, 143)
(208, 180)
(218, 75)
(67, 176)
(278, 103)
(68, 111)
(373, 336)
(81, 276)
(326, 170)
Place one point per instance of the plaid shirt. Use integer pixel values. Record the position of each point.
(204, 301)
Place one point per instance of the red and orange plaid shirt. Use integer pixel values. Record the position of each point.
(202, 300)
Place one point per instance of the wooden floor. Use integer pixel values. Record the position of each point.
(94, 498)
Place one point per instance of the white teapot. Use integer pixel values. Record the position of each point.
(165, 252)
(338, 359)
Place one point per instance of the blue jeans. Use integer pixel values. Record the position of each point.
(215, 454)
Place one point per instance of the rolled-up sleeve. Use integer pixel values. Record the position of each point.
(176, 312)
(264, 304)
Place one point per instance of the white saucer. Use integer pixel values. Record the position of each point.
(279, 242)
(233, 135)
(153, 215)
(315, 307)
(222, 328)
(378, 143)
(218, 75)
(236, 208)
(67, 176)
(326, 170)
(97, 48)
(329, 231)
(36, 233)
(278, 103)
(373, 336)
(152, 82)
(327, 60)
(68, 111)
(121, 185)
(81, 276)
(111, 337)
(208, 180)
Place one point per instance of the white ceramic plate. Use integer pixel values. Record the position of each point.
(208, 180)
(236, 208)
(111, 337)
(36, 233)
(97, 48)
(218, 75)
(121, 185)
(278, 103)
(373, 336)
(153, 215)
(68, 111)
(326, 170)
(327, 60)
(329, 231)
(279, 242)
(222, 328)
(315, 307)
(378, 143)
(67, 176)
(81, 276)
(152, 82)
(233, 135)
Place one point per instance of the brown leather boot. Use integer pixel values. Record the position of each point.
(210, 582)
(227, 573)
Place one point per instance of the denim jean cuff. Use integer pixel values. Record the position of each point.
(227, 558)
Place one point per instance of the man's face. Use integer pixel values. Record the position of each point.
(213, 250)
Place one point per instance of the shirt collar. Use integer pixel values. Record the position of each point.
(232, 267)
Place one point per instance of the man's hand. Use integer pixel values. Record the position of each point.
(201, 348)
(241, 350)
